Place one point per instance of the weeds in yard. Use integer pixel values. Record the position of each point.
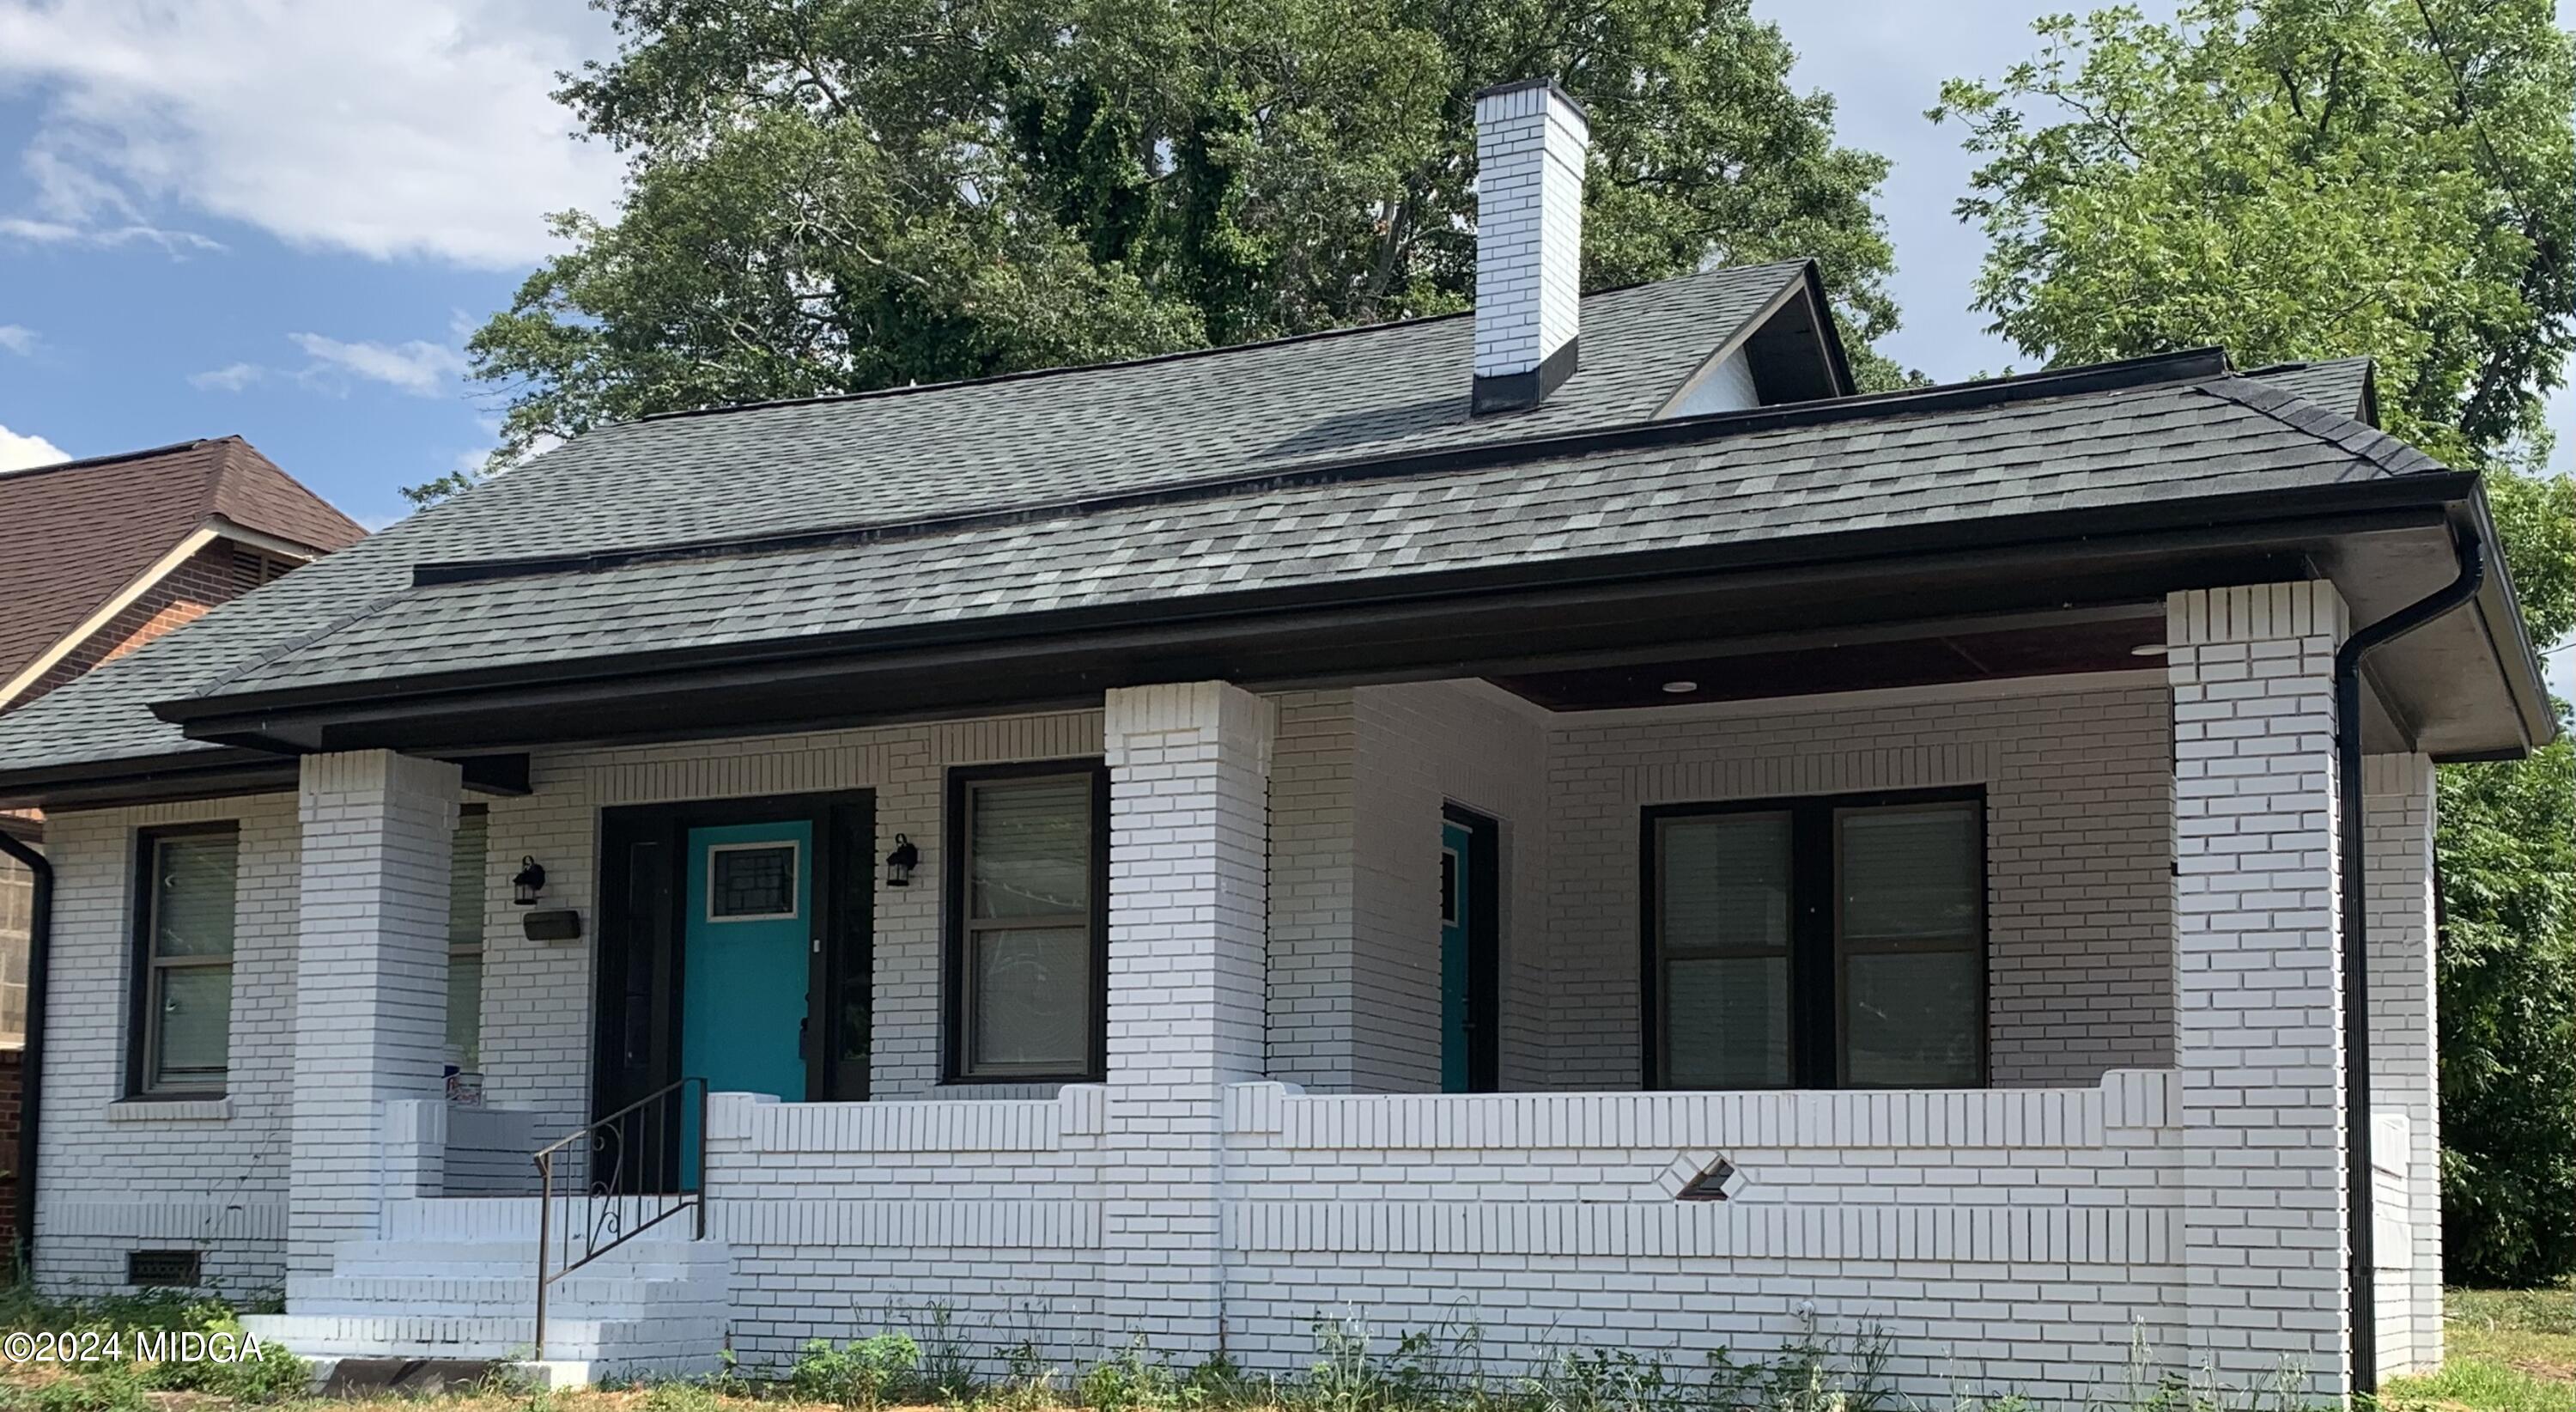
(855, 1374)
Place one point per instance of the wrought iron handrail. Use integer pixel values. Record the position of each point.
(628, 1186)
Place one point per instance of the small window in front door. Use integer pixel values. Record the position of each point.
(751, 882)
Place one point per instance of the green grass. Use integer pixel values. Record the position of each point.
(2508, 1350)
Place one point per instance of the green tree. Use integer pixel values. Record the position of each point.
(836, 195)
(2297, 179)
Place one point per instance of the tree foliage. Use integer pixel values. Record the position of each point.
(2297, 179)
(836, 195)
(2294, 179)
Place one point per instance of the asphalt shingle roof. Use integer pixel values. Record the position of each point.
(74, 533)
(2075, 452)
(1186, 450)
(904, 454)
(2336, 386)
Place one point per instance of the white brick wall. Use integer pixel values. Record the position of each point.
(2398, 813)
(2004, 1239)
(1189, 787)
(2259, 1040)
(195, 1176)
(536, 1015)
(1530, 149)
(370, 983)
(2078, 827)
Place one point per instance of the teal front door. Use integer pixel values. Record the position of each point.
(1457, 858)
(747, 943)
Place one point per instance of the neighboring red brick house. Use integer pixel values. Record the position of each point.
(98, 557)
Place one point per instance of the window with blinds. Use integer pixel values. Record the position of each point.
(1814, 943)
(465, 875)
(184, 982)
(1027, 935)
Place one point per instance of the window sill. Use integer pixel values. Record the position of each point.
(170, 1110)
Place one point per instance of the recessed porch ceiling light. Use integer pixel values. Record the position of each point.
(1680, 688)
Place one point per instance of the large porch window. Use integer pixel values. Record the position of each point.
(1817, 943)
(1028, 923)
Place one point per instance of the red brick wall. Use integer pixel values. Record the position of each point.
(219, 571)
(9, 1062)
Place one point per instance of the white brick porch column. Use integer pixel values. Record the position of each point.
(2257, 1033)
(370, 982)
(1189, 777)
(2397, 824)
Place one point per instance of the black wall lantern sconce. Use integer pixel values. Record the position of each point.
(901, 862)
(530, 881)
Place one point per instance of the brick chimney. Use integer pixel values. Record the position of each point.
(1531, 137)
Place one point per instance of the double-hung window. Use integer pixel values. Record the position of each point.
(1027, 922)
(183, 984)
(1817, 943)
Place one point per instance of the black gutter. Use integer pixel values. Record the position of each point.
(2359, 1176)
(31, 1062)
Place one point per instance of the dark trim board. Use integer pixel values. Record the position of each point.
(640, 960)
(952, 917)
(1815, 1014)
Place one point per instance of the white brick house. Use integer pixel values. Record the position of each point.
(1657, 851)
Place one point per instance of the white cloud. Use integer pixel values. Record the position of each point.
(231, 377)
(418, 367)
(18, 339)
(17, 453)
(389, 128)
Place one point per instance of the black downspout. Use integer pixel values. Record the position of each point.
(2362, 1273)
(31, 1063)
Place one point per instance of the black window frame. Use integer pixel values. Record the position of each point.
(142, 1028)
(1816, 998)
(956, 1009)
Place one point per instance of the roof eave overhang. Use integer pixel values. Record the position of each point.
(201, 773)
(1392, 629)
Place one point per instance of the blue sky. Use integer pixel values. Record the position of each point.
(281, 219)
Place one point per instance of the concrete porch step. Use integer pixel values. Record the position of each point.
(452, 1336)
(580, 1295)
(643, 1258)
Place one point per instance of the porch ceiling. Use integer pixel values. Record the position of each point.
(1941, 653)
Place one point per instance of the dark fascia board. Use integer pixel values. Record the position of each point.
(209, 772)
(203, 773)
(2219, 518)
(1827, 327)
(2190, 366)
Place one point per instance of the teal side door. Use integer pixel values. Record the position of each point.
(1457, 854)
(747, 937)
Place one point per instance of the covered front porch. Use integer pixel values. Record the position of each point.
(2002, 1013)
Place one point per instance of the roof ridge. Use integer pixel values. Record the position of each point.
(2357, 437)
(111, 458)
(2187, 367)
(1173, 356)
